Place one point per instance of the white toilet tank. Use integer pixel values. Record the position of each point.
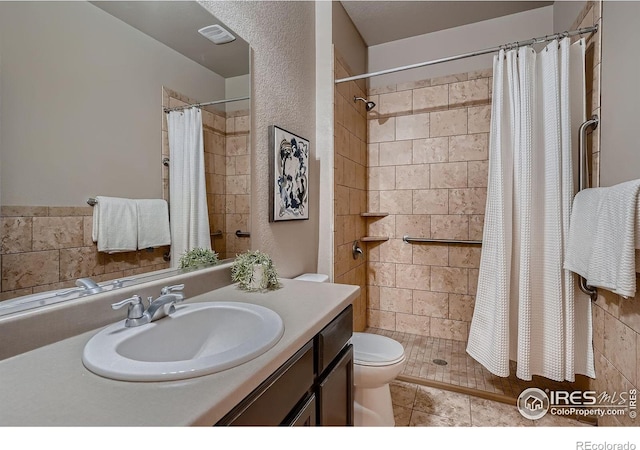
(315, 277)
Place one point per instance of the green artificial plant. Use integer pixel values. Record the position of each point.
(243, 273)
(197, 257)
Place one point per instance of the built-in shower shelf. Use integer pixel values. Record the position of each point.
(374, 238)
(374, 214)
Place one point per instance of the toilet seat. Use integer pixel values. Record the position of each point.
(375, 350)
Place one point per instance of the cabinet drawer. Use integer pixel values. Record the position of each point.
(335, 392)
(330, 341)
(271, 402)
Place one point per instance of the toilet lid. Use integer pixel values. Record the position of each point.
(375, 350)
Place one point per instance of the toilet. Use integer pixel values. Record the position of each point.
(377, 360)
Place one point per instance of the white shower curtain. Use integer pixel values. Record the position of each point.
(527, 306)
(187, 190)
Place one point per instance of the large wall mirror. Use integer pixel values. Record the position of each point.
(83, 88)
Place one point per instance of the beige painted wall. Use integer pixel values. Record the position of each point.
(81, 104)
(455, 41)
(347, 40)
(565, 13)
(619, 152)
(282, 36)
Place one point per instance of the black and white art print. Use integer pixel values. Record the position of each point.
(289, 176)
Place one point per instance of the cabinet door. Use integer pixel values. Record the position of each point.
(306, 417)
(335, 392)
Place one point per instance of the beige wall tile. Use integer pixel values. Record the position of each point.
(396, 251)
(382, 130)
(464, 256)
(398, 300)
(381, 319)
(373, 155)
(431, 201)
(415, 225)
(415, 126)
(449, 175)
(449, 279)
(385, 226)
(467, 201)
(395, 153)
(237, 184)
(433, 304)
(87, 227)
(450, 79)
(382, 178)
(395, 202)
(450, 226)
(479, 119)
(448, 123)
(431, 255)
(408, 323)
(629, 312)
(431, 98)
(63, 211)
(412, 277)
(415, 176)
(430, 150)
(22, 270)
(477, 173)
(121, 261)
(476, 225)
(23, 211)
(395, 103)
(79, 262)
(16, 234)
(472, 92)
(620, 341)
(471, 147)
(57, 232)
(449, 329)
(381, 274)
(473, 281)
(598, 328)
(461, 307)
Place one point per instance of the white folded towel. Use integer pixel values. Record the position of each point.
(153, 223)
(115, 225)
(602, 237)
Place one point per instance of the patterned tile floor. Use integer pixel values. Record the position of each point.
(461, 373)
(420, 406)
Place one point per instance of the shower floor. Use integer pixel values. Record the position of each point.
(461, 373)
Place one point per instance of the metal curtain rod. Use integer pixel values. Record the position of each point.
(198, 105)
(509, 46)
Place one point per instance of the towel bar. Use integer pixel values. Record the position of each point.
(409, 240)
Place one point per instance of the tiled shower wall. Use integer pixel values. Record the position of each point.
(350, 195)
(227, 173)
(428, 150)
(616, 321)
(45, 248)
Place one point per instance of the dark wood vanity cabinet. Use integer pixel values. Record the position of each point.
(314, 387)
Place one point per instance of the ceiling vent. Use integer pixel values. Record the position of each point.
(217, 34)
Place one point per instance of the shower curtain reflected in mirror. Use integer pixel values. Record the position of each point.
(527, 307)
(189, 217)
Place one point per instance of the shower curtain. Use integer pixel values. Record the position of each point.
(528, 308)
(187, 191)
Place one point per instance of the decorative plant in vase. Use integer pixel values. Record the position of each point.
(198, 257)
(254, 271)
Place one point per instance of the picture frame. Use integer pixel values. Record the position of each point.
(288, 175)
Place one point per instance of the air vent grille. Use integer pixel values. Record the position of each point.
(217, 34)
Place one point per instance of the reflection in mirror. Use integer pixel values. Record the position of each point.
(83, 90)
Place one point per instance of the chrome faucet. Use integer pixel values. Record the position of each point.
(160, 307)
(89, 286)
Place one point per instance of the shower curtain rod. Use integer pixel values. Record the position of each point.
(215, 102)
(511, 45)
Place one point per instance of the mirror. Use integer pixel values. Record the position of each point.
(83, 87)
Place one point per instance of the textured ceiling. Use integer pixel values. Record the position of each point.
(385, 21)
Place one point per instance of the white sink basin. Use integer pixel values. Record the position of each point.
(198, 339)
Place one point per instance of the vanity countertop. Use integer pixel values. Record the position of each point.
(50, 386)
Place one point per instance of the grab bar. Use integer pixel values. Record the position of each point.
(243, 233)
(409, 240)
(583, 184)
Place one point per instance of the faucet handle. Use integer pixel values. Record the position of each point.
(120, 282)
(171, 289)
(136, 308)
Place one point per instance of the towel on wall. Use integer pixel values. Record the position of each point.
(115, 225)
(602, 237)
(153, 223)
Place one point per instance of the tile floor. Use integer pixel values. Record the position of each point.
(419, 406)
(461, 370)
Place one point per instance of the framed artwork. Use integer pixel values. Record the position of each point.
(288, 176)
